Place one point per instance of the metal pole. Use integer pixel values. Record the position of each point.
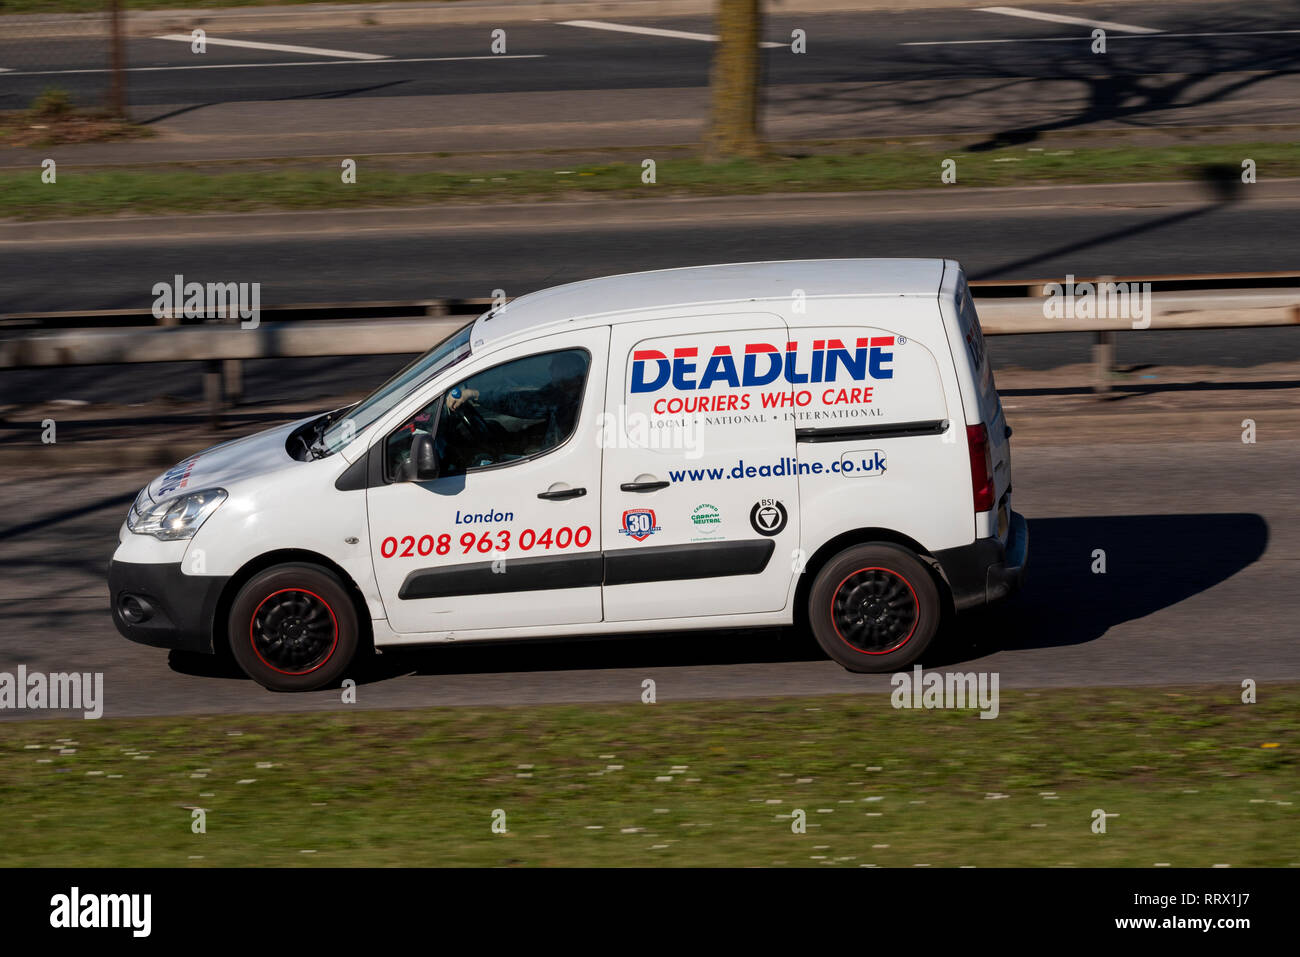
(212, 391)
(117, 54)
(232, 374)
(1103, 357)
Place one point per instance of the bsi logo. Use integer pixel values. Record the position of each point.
(75, 910)
(768, 517)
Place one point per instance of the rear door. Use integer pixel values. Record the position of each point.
(988, 411)
(700, 508)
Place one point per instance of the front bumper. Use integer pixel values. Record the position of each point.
(156, 604)
(986, 570)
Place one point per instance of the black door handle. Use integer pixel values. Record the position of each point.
(563, 493)
(643, 486)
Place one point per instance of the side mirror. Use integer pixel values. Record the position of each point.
(424, 460)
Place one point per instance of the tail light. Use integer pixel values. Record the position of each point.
(981, 467)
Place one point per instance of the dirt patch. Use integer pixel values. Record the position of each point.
(29, 128)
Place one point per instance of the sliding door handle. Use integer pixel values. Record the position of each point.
(563, 493)
(643, 486)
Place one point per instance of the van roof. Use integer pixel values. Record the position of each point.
(612, 296)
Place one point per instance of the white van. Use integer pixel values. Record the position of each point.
(715, 447)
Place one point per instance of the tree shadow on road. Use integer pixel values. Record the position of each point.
(1139, 83)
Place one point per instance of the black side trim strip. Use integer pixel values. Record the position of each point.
(666, 563)
(627, 566)
(517, 574)
(897, 430)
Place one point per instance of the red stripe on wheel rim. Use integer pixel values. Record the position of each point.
(301, 591)
(916, 604)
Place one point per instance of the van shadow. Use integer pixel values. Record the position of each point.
(1152, 562)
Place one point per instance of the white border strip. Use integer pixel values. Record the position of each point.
(1063, 18)
(1158, 36)
(651, 31)
(252, 66)
(279, 47)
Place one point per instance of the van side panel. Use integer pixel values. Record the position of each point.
(893, 454)
(699, 505)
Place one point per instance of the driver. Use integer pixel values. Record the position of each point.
(558, 398)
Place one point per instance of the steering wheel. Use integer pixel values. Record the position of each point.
(478, 431)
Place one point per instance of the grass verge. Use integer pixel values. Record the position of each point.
(1196, 778)
(299, 185)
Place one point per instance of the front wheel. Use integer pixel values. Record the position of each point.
(293, 628)
(874, 608)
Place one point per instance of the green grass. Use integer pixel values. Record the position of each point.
(686, 784)
(298, 185)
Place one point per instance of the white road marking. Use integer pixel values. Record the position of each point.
(1159, 36)
(278, 47)
(1062, 18)
(251, 66)
(962, 43)
(652, 31)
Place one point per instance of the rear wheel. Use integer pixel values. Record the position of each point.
(293, 628)
(874, 608)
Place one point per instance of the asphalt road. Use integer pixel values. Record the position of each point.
(956, 71)
(470, 259)
(1133, 231)
(1201, 542)
(917, 44)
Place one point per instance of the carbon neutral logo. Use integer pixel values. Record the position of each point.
(707, 522)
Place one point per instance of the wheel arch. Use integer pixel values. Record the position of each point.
(285, 556)
(865, 536)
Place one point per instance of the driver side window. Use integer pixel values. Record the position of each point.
(512, 411)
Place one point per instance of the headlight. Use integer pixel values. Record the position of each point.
(176, 518)
(141, 505)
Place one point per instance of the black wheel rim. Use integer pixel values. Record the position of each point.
(874, 610)
(294, 631)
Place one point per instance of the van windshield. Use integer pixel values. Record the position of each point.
(352, 422)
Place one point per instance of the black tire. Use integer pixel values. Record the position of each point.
(874, 608)
(294, 628)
